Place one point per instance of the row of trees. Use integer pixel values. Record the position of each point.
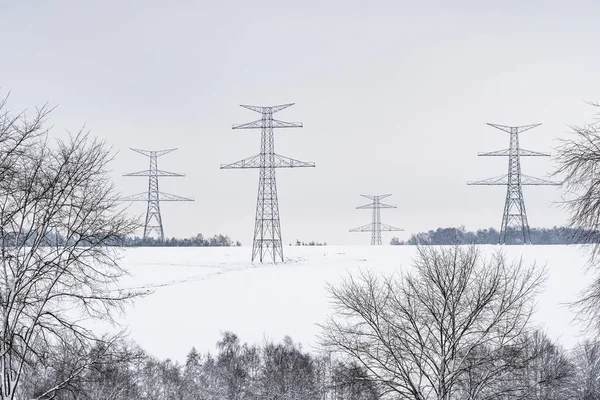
(440, 236)
(236, 371)
(311, 243)
(452, 236)
(196, 241)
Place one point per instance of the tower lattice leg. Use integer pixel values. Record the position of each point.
(153, 217)
(267, 228)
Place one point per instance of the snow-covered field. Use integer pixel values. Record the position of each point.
(201, 292)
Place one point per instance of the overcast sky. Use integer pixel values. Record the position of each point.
(394, 97)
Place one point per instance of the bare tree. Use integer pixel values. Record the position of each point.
(578, 159)
(585, 383)
(59, 220)
(106, 373)
(544, 370)
(287, 372)
(350, 381)
(452, 327)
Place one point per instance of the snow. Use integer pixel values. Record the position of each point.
(198, 293)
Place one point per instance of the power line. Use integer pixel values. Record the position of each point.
(376, 227)
(515, 215)
(267, 228)
(153, 196)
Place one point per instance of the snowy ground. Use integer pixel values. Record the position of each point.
(201, 292)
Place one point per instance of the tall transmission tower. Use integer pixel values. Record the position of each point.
(376, 227)
(515, 216)
(267, 228)
(153, 196)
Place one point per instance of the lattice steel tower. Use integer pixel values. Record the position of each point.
(515, 215)
(153, 196)
(376, 227)
(267, 228)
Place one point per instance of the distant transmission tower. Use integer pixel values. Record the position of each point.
(515, 216)
(153, 196)
(376, 227)
(267, 229)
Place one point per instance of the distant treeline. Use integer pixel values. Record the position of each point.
(450, 236)
(53, 239)
(195, 241)
(311, 243)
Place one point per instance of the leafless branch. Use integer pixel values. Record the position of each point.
(59, 219)
(424, 334)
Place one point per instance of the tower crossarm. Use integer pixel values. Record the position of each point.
(259, 124)
(287, 162)
(136, 197)
(150, 173)
(250, 162)
(499, 180)
(161, 197)
(531, 153)
(364, 228)
(368, 196)
(497, 153)
(172, 197)
(389, 228)
(149, 153)
(514, 129)
(271, 109)
(506, 153)
(278, 162)
(375, 205)
(526, 180)
(383, 228)
(533, 181)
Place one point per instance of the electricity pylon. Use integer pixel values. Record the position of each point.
(153, 196)
(515, 216)
(376, 227)
(267, 228)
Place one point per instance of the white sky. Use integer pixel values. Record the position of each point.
(394, 97)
